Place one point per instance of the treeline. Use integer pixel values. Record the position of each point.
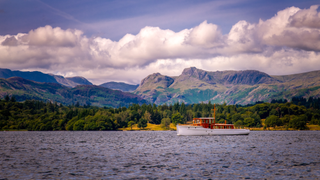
(36, 115)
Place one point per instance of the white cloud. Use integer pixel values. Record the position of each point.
(284, 30)
(205, 35)
(306, 18)
(48, 36)
(286, 43)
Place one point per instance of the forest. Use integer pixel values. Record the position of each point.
(34, 115)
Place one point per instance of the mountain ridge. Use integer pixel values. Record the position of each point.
(191, 86)
(42, 77)
(120, 86)
(236, 87)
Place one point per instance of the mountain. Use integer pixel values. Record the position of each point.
(79, 80)
(120, 86)
(71, 81)
(249, 77)
(24, 89)
(42, 77)
(233, 87)
(34, 76)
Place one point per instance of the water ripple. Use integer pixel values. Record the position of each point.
(159, 155)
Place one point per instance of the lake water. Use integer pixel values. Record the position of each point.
(159, 155)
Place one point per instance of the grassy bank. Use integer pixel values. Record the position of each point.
(150, 127)
(284, 128)
(14, 130)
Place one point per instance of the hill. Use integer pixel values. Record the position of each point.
(233, 87)
(42, 77)
(120, 86)
(24, 89)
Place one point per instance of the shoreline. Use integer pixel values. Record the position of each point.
(158, 127)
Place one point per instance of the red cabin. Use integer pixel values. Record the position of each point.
(209, 122)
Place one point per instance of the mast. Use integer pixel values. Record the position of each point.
(214, 113)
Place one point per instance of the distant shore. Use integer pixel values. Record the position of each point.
(158, 127)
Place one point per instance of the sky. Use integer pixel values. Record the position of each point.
(127, 40)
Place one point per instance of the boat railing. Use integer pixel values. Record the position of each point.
(239, 127)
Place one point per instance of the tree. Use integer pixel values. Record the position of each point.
(189, 115)
(7, 98)
(79, 125)
(238, 123)
(274, 112)
(130, 124)
(134, 116)
(13, 99)
(177, 118)
(142, 123)
(249, 122)
(77, 104)
(273, 121)
(236, 117)
(147, 116)
(285, 119)
(298, 122)
(165, 123)
(257, 119)
(155, 117)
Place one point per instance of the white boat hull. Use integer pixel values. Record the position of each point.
(186, 130)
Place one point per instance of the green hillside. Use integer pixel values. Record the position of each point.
(24, 89)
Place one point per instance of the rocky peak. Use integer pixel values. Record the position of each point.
(150, 77)
(193, 71)
(157, 78)
(249, 77)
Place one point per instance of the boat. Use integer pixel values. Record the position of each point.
(207, 126)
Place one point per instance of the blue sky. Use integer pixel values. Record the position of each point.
(113, 18)
(111, 40)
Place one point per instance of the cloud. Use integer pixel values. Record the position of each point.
(10, 41)
(243, 38)
(284, 30)
(48, 36)
(286, 43)
(309, 18)
(205, 35)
